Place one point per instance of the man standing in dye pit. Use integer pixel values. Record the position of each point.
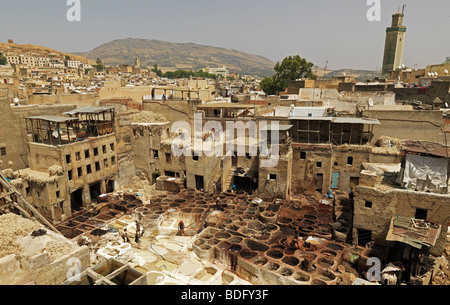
(138, 231)
(181, 228)
(233, 256)
(125, 235)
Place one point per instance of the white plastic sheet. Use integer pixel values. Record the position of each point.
(425, 173)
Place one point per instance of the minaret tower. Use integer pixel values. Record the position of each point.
(395, 41)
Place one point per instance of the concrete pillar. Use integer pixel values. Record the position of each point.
(103, 187)
(86, 195)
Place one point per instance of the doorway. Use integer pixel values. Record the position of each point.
(354, 181)
(76, 200)
(364, 237)
(95, 191)
(247, 184)
(199, 183)
(110, 186)
(319, 182)
(234, 160)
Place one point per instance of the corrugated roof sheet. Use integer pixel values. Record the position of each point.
(305, 118)
(356, 121)
(403, 229)
(424, 147)
(339, 120)
(89, 109)
(52, 118)
(279, 127)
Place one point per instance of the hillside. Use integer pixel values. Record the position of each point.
(173, 56)
(13, 48)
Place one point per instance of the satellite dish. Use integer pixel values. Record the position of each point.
(446, 71)
(370, 102)
(429, 74)
(16, 100)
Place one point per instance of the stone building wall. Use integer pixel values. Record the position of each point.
(321, 161)
(385, 204)
(423, 125)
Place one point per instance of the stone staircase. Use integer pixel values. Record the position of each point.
(229, 182)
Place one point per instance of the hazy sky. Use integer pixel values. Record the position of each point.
(319, 30)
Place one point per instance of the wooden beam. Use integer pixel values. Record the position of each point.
(330, 132)
(309, 141)
(318, 134)
(50, 133)
(58, 126)
(68, 133)
(351, 130)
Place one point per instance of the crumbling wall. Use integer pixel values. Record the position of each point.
(81, 100)
(41, 156)
(278, 186)
(206, 166)
(438, 212)
(348, 162)
(172, 110)
(48, 191)
(375, 218)
(337, 165)
(149, 130)
(125, 155)
(305, 170)
(387, 202)
(423, 125)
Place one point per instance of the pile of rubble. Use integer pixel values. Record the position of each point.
(442, 276)
(13, 227)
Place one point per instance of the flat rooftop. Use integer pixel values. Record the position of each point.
(337, 120)
(89, 109)
(228, 105)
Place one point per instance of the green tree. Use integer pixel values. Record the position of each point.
(156, 70)
(273, 85)
(291, 68)
(3, 60)
(99, 65)
(294, 67)
(186, 74)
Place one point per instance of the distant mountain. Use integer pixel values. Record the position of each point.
(173, 56)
